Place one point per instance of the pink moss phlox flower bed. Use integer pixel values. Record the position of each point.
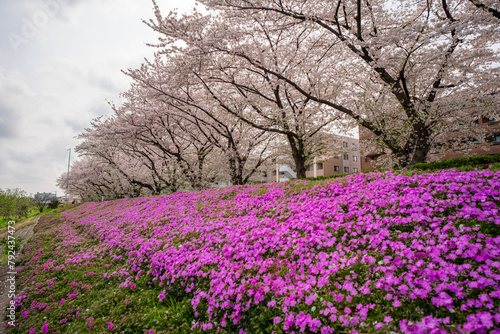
(370, 253)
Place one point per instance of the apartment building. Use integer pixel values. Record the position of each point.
(346, 160)
(490, 146)
(279, 173)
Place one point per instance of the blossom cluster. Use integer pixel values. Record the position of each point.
(379, 252)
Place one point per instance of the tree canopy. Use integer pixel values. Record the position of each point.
(237, 84)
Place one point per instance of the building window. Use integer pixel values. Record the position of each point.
(355, 170)
(346, 156)
(495, 140)
(346, 169)
(336, 168)
(476, 121)
(336, 157)
(345, 144)
(319, 166)
(354, 158)
(354, 146)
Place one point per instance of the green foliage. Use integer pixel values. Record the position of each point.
(53, 204)
(14, 204)
(458, 162)
(9, 246)
(464, 164)
(335, 176)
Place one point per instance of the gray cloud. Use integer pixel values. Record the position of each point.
(8, 122)
(61, 77)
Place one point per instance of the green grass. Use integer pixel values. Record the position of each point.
(3, 222)
(9, 247)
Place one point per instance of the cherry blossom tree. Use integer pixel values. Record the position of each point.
(148, 147)
(240, 149)
(412, 72)
(490, 6)
(232, 66)
(94, 179)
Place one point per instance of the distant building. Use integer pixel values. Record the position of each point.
(346, 160)
(284, 172)
(45, 198)
(72, 199)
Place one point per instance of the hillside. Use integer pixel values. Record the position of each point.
(368, 253)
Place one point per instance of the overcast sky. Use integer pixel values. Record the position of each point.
(60, 63)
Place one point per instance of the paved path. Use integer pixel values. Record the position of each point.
(25, 232)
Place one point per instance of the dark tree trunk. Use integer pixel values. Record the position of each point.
(421, 145)
(298, 155)
(236, 171)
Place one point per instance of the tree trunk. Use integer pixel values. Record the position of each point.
(420, 155)
(298, 156)
(421, 145)
(403, 160)
(236, 170)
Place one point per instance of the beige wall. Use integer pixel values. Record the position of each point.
(329, 164)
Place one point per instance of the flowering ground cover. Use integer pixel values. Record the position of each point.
(369, 253)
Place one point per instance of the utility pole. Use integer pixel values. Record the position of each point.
(67, 174)
(315, 168)
(277, 172)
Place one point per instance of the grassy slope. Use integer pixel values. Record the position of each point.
(76, 283)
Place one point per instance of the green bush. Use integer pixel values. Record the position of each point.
(53, 204)
(14, 204)
(320, 178)
(457, 162)
(437, 165)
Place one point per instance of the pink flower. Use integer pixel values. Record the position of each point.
(90, 322)
(62, 301)
(110, 325)
(32, 331)
(161, 296)
(45, 328)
